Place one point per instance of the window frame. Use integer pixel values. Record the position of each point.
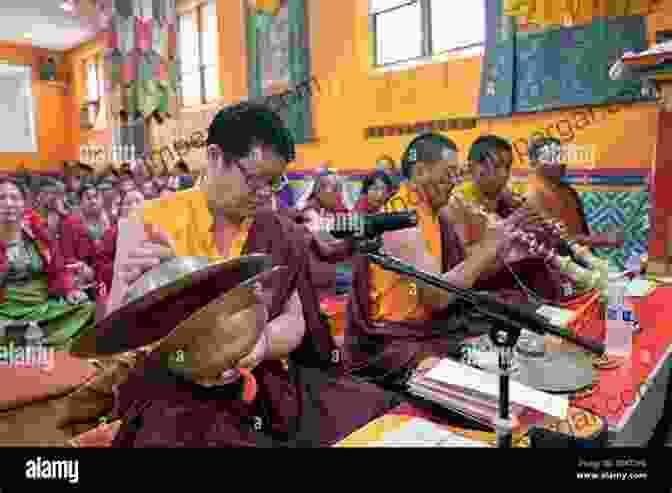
(95, 61)
(197, 11)
(427, 48)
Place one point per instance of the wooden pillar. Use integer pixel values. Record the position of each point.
(660, 237)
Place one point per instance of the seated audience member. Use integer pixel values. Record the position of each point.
(126, 178)
(52, 207)
(104, 266)
(76, 175)
(395, 323)
(377, 189)
(149, 190)
(284, 197)
(321, 199)
(248, 148)
(188, 177)
(82, 234)
(171, 187)
(387, 165)
(109, 195)
(34, 274)
(490, 159)
(547, 193)
(314, 212)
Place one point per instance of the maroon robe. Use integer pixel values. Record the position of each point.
(310, 404)
(104, 262)
(385, 351)
(76, 242)
(323, 255)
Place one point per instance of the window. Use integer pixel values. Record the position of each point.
(92, 81)
(404, 30)
(198, 42)
(17, 105)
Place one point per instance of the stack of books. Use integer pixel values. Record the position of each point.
(474, 393)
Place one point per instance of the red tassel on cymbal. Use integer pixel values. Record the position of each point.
(249, 385)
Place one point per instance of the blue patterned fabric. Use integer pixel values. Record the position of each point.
(627, 210)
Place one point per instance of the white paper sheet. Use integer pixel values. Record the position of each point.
(422, 433)
(131, 235)
(453, 373)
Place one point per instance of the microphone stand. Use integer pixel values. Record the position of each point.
(504, 336)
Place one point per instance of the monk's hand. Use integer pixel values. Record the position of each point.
(505, 238)
(258, 355)
(156, 249)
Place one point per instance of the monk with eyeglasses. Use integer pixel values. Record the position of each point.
(296, 364)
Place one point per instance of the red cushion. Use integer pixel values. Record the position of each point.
(24, 385)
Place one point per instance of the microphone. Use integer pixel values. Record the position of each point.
(520, 316)
(371, 226)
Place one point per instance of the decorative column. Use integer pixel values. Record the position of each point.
(654, 66)
(660, 239)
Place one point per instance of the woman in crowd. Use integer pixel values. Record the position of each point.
(126, 178)
(108, 194)
(82, 233)
(34, 275)
(172, 186)
(77, 174)
(377, 189)
(104, 265)
(387, 165)
(52, 207)
(321, 200)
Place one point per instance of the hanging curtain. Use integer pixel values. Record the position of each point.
(297, 112)
(140, 59)
(560, 12)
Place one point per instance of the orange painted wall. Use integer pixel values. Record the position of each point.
(352, 97)
(356, 97)
(51, 112)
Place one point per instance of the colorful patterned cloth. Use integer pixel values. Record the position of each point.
(558, 12)
(141, 56)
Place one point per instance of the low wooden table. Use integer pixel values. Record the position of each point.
(629, 398)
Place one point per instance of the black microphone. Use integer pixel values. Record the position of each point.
(523, 316)
(371, 226)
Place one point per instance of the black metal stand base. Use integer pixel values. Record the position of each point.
(505, 341)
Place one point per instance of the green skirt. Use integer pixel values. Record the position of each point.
(62, 322)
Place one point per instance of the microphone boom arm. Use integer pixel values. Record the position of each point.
(479, 302)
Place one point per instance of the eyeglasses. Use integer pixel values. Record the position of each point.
(254, 182)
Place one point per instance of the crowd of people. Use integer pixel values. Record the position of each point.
(57, 250)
